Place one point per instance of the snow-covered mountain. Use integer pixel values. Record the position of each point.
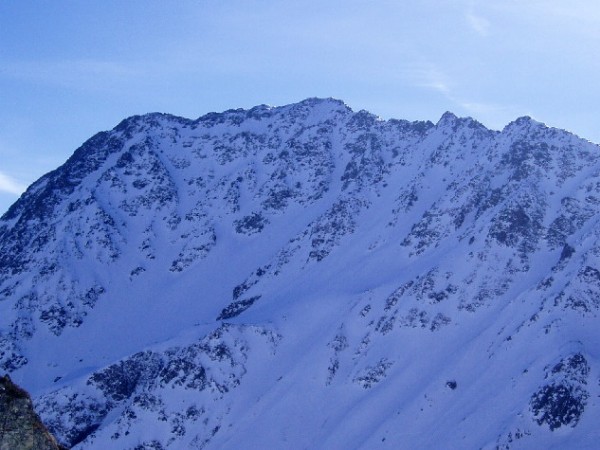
(307, 276)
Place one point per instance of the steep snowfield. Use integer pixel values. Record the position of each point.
(307, 276)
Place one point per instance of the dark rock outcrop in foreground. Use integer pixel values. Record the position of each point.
(20, 426)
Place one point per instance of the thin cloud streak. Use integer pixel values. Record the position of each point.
(10, 186)
(69, 73)
(428, 76)
(478, 24)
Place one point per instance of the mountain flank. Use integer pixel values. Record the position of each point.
(309, 276)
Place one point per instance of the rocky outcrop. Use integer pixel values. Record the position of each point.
(20, 426)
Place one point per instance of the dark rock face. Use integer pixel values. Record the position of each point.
(562, 401)
(20, 426)
(211, 368)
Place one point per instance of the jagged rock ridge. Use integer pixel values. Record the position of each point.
(309, 276)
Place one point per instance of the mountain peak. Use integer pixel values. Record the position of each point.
(524, 123)
(311, 101)
(324, 105)
(448, 117)
(452, 121)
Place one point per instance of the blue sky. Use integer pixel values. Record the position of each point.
(71, 68)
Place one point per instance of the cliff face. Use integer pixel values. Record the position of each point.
(20, 426)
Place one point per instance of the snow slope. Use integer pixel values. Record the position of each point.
(307, 276)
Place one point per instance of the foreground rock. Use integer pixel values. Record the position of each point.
(20, 426)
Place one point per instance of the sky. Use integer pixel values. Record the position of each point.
(71, 68)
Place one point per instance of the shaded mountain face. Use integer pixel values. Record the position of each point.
(307, 276)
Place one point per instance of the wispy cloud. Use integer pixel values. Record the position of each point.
(428, 76)
(10, 186)
(80, 73)
(567, 21)
(493, 115)
(478, 24)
